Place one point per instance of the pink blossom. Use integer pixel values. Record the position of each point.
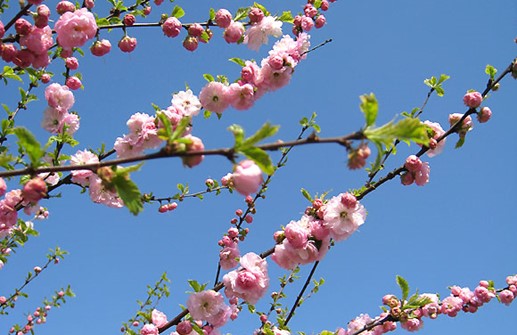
(100, 48)
(127, 44)
(159, 319)
(171, 27)
(42, 16)
(342, 220)
(258, 33)
(188, 102)
(247, 177)
(190, 43)
(321, 20)
(73, 83)
(2, 29)
(149, 329)
(82, 157)
(195, 145)
(223, 18)
(214, 97)
(307, 23)
(184, 328)
(274, 79)
(72, 63)
(100, 195)
(3, 186)
(34, 190)
(249, 282)
(435, 131)
(75, 28)
(59, 97)
(38, 40)
(422, 176)
(412, 325)
(506, 297)
(208, 306)
(241, 97)
(228, 256)
(22, 26)
(472, 99)
(65, 6)
(484, 115)
(233, 33)
(451, 306)
(297, 234)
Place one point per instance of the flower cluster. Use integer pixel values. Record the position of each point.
(308, 239)
(35, 41)
(274, 72)
(57, 117)
(417, 171)
(98, 191)
(435, 131)
(312, 17)
(143, 129)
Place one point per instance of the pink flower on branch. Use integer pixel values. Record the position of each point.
(208, 306)
(75, 28)
(249, 282)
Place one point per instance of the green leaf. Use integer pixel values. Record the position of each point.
(408, 129)
(208, 77)
(267, 130)
(9, 73)
(238, 61)
(369, 107)
(260, 157)
(180, 128)
(238, 134)
(436, 85)
(306, 195)
(212, 14)
(196, 286)
(178, 12)
(241, 14)
(127, 189)
(404, 287)
(165, 132)
(491, 71)
(30, 145)
(286, 17)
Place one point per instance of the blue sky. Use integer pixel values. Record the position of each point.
(457, 230)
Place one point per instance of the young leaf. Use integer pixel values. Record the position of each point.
(178, 12)
(267, 130)
(129, 193)
(306, 195)
(491, 71)
(404, 287)
(238, 134)
(369, 107)
(260, 157)
(29, 144)
(238, 61)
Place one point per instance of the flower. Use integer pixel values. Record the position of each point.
(343, 216)
(249, 282)
(472, 99)
(247, 177)
(75, 28)
(258, 33)
(187, 101)
(208, 306)
(214, 97)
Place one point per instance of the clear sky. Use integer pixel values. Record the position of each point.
(457, 230)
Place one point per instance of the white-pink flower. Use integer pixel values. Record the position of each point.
(343, 220)
(82, 157)
(208, 306)
(59, 97)
(159, 318)
(99, 194)
(214, 97)
(249, 282)
(188, 102)
(75, 28)
(437, 131)
(258, 33)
